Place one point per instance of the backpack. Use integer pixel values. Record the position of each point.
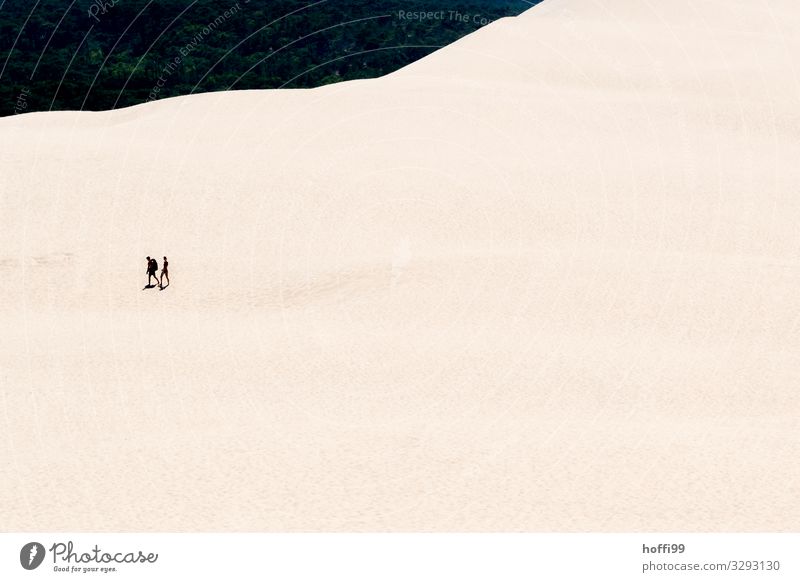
(153, 265)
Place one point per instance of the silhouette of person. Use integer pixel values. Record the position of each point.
(164, 273)
(152, 268)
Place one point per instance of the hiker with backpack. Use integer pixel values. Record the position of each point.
(152, 269)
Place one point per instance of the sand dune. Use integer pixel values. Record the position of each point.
(545, 279)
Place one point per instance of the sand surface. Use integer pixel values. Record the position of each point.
(546, 279)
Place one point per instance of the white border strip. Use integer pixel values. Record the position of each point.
(404, 557)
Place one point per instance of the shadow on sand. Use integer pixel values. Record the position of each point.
(148, 287)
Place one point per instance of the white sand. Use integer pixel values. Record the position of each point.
(547, 279)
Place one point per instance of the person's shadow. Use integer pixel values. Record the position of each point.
(162, 287)
(147, 287)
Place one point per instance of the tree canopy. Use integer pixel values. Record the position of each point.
(106, 54)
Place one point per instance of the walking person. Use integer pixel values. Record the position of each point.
(164, 273)
(152, 269)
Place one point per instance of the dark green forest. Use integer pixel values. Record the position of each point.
(106, 54)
